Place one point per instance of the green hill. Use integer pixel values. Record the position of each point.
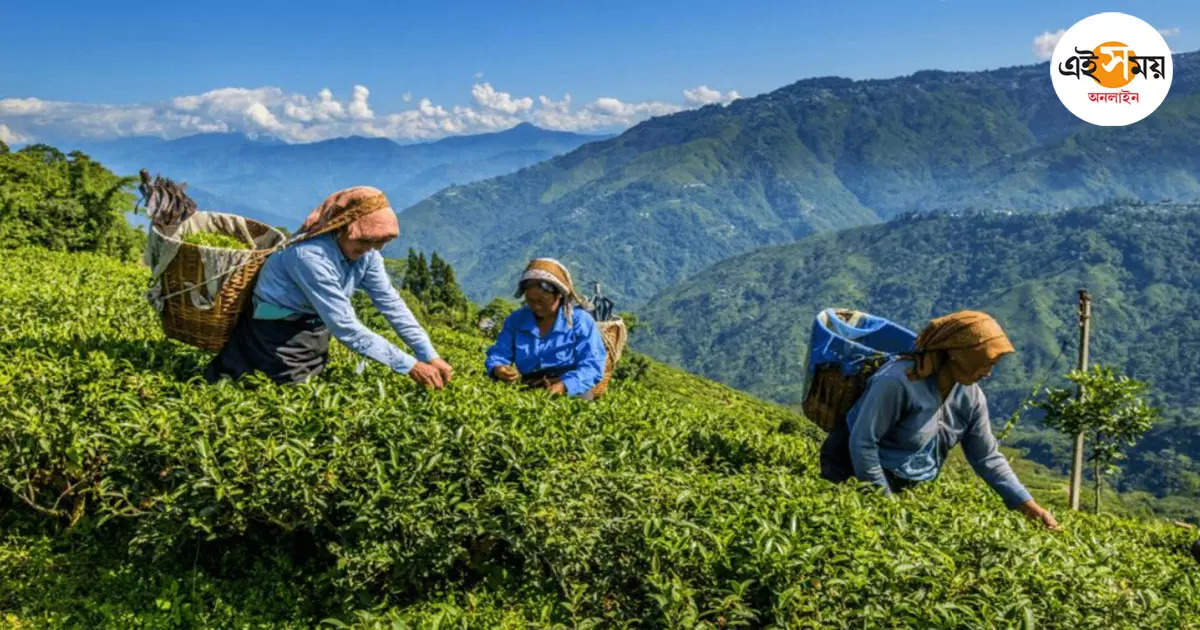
(134, 495)
(677, 193)
(746, 321)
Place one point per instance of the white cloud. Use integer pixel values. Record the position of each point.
(8, 136)
(605, 112)
(358, 109)
(298, 111)
(258, 115)
(704, 95)
(1043, 45)
(487, 96)
(21, 106)
(326, 108)
(427, 108)
(296, 117)
(562, 106)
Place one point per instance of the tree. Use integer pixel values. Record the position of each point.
(631, 320)
(65, 203)
(1112, 413)
(491, 317)
(443, 287)
(417, 279)
(395, 269)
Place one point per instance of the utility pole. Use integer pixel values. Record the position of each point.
(1085, 319)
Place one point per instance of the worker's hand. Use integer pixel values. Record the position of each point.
(444, 369)
(426, 375)
(1039, 514)
(556, 387)
(506, 373)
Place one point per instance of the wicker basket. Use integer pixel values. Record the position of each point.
(210, 328)
(614, 334)
(833, 393)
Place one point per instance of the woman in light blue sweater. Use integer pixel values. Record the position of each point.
(302, 298)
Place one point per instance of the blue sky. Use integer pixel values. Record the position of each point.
(111, 69)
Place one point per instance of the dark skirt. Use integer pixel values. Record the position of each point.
(836, 465)
(287, 351)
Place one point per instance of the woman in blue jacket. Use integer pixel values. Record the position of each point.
(548, 342)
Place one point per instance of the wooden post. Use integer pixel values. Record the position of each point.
(1085, 318)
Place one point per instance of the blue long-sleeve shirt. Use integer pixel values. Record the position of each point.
(575, 353)
(902, 426)
(314, 277)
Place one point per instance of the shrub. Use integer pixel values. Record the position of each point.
(66, 203)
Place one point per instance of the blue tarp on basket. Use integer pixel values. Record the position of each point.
(848, 337)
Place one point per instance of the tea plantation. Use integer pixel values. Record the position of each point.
(134, 495)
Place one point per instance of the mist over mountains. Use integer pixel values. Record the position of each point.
(675, 194)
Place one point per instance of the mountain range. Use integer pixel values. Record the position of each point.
(280, 183)
(677, 193)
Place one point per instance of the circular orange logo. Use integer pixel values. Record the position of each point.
(1110, 84)
(1114, 64)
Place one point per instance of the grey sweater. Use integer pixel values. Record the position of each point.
(900, 425)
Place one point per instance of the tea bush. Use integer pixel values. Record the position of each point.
(215, 239)
(360, 499)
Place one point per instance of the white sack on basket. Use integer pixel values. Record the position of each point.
(219, 263)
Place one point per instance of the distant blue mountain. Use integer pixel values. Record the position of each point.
(280, 183)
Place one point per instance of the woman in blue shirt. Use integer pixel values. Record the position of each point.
(917, 407)
(302, 297)
(549, 343)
